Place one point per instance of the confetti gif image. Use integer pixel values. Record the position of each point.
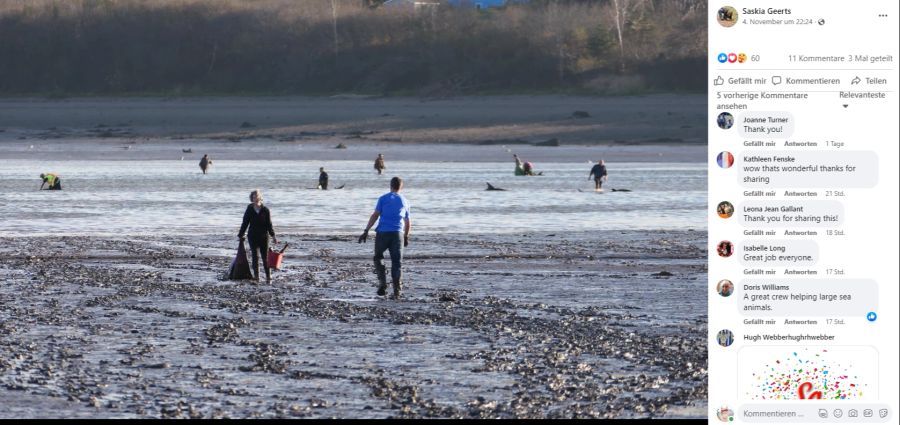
(806, 374)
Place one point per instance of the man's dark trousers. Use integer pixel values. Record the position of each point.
(392, 242)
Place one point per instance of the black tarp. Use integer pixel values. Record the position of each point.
(240, 267)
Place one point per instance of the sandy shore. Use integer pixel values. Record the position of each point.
(160, 128)
(538, 325)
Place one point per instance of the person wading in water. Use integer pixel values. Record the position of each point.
(205, 162)
(598, 171)
(323, 179)
(379, 164)
(51, 180)
(520, 169)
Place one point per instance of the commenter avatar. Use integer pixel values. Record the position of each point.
(725, 288)
(725, 337)
(725, 209)
(725, 120)
(725, 249)
(725, 159)
(725, 414)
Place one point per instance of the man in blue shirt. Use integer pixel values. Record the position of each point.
(392, 214)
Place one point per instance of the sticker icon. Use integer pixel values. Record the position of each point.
(804, 394)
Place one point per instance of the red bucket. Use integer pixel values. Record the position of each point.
(276, 257)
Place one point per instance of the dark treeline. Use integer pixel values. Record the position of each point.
(289, 47)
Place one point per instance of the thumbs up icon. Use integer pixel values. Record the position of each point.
(718, 81)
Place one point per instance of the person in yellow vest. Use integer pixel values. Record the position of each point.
(51, 180)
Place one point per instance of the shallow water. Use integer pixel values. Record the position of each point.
(152, 197)
(538, 298)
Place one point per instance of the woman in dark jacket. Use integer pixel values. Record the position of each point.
(259, 221)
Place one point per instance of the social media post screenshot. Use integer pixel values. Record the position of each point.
(803, 294)
(353, 209)
(668, 210)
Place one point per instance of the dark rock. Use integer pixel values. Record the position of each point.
(504, 142)
(448, 297)
(552, 142)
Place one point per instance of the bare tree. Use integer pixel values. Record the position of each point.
(335, 28)
(620, 17)
(622, 9)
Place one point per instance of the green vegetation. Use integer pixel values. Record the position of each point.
(189, 47)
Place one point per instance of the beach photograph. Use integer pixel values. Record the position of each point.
(353, 209)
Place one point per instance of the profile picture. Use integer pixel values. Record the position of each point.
(725, 288)
(725, 120)
(725, 249)
(725, 337)
(725, 414)
(725, 159)
(727, 16)
(725, 209)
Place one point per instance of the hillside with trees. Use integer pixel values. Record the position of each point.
(320, 47)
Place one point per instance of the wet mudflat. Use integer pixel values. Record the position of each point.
(602, 324)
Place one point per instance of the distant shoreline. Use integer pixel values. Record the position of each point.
(238, 127)
(268, 150)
